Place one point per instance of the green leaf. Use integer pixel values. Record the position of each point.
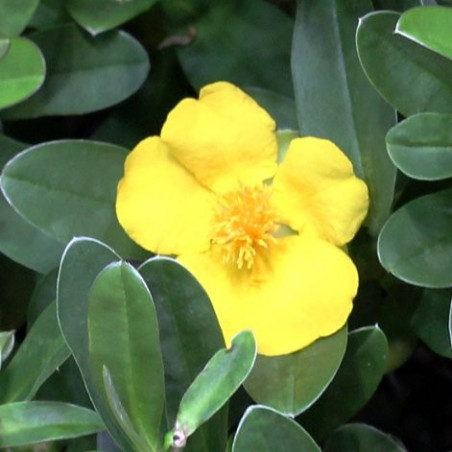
(69, 200)
(189, 336)
(362, 438)
(22, 71)
(421, 146)
(217, 382)
(301, 376)
(78, 66)
(101, 15)
(6, 345)
(431, 321)
(284, 138)
(13, 20)
(266, 430)
(429, 26)
(251, 26)
(335, 100)
(43, 294)
(415, 244)
(24, 423)
(409, 77)
(49, 13)
(357, 379)
(39, 355)
(83, 259)
(121, 312)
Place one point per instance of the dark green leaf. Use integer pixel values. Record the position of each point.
(43, 294)
(69, 200)
(421, 146)
(411, 78)
(50, 13)
(357, 379)
(213, 387)
(415, 244)
(362, 438)
(38, 356)
(186, 319)
(301, 376)
(335, 100)
(266, 430)
(78, 67)
(101, 15)
(22, 71)
(13, 20)
(431, 321)
(429, 26)
(121, 312)
(24, 423)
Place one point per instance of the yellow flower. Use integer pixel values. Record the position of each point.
(264, 240)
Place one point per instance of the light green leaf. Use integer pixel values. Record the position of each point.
(428, 26)
(213, 387)
(69, 201)
(421, 146)
(335, 100)
(6, 345)
(415, 244)
(78, 67)
(124, 338)
(101, 15)
(22, 71)
(357, 379)
(13, 20)
(266, 430)
(409, 77)
(39, 355)
(24, 423)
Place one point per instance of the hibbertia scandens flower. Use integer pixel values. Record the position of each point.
(264, 240)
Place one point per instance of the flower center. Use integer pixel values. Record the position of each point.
(244, 222)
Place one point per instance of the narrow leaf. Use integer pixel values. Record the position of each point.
(7, 341)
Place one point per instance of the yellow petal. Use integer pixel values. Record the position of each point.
(224, 139)
(300, 291)
(315, 187)
(160, 205)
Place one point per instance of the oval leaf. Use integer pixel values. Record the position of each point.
(265, 430)
(213, 387)
(408, 76)
(423, 256)
(78, 67)
(357, 379)
(421, 146)
(24, 423)
(13, 20)
(69, 200)
(22, 71)
(301, 376)
(429, 26)
(124, 337)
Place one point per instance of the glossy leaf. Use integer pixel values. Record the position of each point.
(13, 20)
(302, 376)
(429, 26)
(362, 438)
(69, 200)
(421, 146)
(186, 318)
(266, 430)
(362, 368)
(6, 345)
(39, 355)
(409, 77)
(101, 15)
(251, 26)
(22, 71)
(121, 312)
(83, 259)
(431, 321)
(415, 244)
(24, 423)
(335, 100)
(217, 382)
(78, 66)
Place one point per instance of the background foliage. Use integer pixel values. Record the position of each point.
(102, 345)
